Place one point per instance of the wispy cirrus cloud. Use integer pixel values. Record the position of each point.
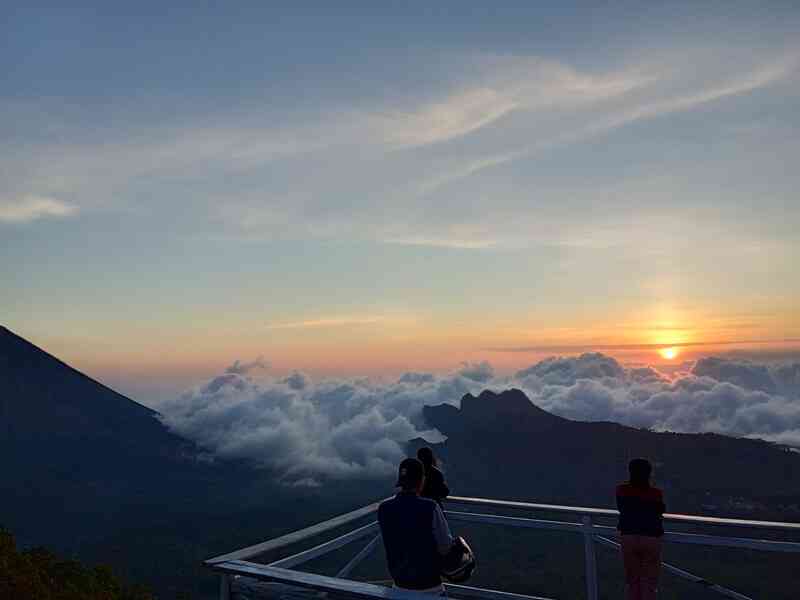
(33, 208)
(443, 241)
(458, 115)
(387, 171)
(329, 322)
(509, 84)
(742, 83)
(761, 76)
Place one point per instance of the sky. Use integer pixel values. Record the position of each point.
(374, 188)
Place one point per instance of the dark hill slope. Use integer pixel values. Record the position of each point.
(80, 460)
(77, 456)
(502, 445)
(93, 474)
(44, 399)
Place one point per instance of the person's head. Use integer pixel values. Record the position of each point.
(639, 470)
(411, 475)
(426, 457)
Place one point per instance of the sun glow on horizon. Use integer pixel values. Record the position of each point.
(669, 353)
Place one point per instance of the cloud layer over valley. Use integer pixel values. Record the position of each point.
(340, 428)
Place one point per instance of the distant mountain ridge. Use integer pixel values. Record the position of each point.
(502, 445)
(490, 411)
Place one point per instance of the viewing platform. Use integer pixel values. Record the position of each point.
(258, 572)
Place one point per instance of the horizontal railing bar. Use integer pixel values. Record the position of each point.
(578, 510)
(683, 574)
(465, 590)
(319, 528)
(317, 551)
(669, 536)
(730, 542)
(608, 512)
(316, 582)
(514, 521)
(296, 536)
(321, 582)
(750, 524)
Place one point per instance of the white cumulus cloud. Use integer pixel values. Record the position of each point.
(310, 429)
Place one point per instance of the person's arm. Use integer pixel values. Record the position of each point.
(442, 491)
(441, 532)
(380, 516)
(621, 506)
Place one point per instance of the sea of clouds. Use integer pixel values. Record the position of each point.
(309, 429)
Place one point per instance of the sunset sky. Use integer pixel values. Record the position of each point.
(364, 188)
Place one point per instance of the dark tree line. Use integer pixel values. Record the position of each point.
(38, 574)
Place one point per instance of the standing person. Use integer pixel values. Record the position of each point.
(435, 488)
(641, 507)
(415, 533)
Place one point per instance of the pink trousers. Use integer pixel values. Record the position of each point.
(641, 555)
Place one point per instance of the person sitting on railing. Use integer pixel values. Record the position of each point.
(641, 507)
(415, 533)
(434, 488)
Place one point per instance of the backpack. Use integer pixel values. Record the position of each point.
(458, 565)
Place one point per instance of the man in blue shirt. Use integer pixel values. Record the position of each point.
(415, 533)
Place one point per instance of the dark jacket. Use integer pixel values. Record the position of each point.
(640, 510)
(416, 536)
(435, 488)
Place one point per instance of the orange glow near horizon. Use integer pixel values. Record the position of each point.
(669, 353)
(383, 343)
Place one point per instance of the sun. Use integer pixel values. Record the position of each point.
(668, 353)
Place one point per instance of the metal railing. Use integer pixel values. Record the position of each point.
(236, 564)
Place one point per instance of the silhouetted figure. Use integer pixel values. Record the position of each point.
(641, 507)
(415, 533)
(435, 488)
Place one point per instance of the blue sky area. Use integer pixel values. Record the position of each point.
(368, 187)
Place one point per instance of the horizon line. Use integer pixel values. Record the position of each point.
(643, 346)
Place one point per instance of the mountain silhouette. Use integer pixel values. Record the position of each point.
(90, 473)
(501, 445)
(45, 401)
(79, 458)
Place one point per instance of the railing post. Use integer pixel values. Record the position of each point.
(224, 587)
(589, 559)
